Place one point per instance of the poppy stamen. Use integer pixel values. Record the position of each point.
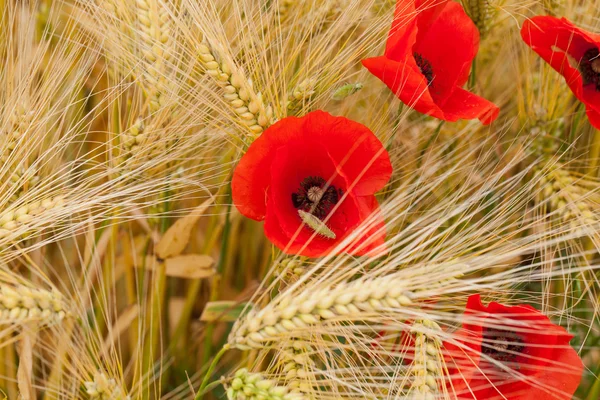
(589, 66)
(425, 67)
(501, 345)
(315, 196)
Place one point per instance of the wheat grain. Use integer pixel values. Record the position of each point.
(426, 367)
(155, 24)
(12, 220)
(559, 188)
(291, 268)
(297, 367)
(21, 304)
(253, 386)
(104, 388)
(238, 91)
(552, 7)
(480, 13)
(299, 97)
(347, 301)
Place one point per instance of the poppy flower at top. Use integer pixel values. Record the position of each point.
(572, 52)
(312, 180)
(427, 60)
(511, 353)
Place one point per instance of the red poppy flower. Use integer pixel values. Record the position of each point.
(313, 180)
(427, 60)
(572, 52)
(511, 353)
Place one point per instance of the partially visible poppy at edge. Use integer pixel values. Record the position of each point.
(312, 180)
(511, 352)
(572, 52)
(427, 61)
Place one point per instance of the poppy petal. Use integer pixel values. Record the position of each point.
(463, 104)
(547, 368)
(291, 166)
(593, 116)
(547, 34)
(252, 176)
(403, 33)
(450, 44)
(354, 150)
(406, 81)
(370, 241)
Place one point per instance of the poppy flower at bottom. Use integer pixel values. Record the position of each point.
(513, 353)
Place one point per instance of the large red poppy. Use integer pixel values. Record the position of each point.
(328, 167)
(511, 353)
(572, 52)
(427, 60)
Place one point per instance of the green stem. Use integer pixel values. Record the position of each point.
(214, 290)
(473, 76)
(594, 154)
(203, 386)
(594, 392)
(432, 139)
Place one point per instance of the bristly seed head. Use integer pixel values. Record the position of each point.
(501, 345)
(315, 196)
(425, 67)
(589, 67)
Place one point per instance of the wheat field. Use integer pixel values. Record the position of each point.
(131, 267)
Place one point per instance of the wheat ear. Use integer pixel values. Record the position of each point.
(552, 7)
(480, 13)
(12, 220)
(22, 304)
(253, 386)
(300, 96)
(239, 91)
(297, 366)
(104, 388)
(565, 197)
(155, 30)
(20, 121)
(427, 366)
(346, 301)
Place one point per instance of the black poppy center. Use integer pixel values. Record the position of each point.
(501, 345)
(589, 67)
(424, 67)
(316, 197)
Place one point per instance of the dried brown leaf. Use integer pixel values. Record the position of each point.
(177, 236)
(188, 266)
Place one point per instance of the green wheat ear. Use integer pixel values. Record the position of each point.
(316, 224)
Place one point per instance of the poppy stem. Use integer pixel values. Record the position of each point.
(594, 153)
(473, 76)
(216, 282)
(591, 171)
(390, 141)
(210, 371)
(432, 139)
